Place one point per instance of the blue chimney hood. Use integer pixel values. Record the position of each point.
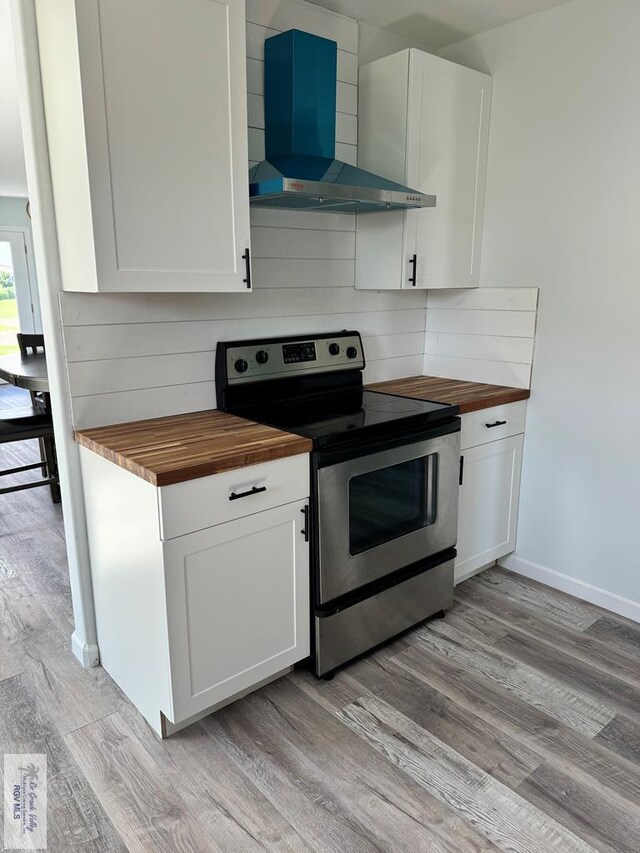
(300, 171)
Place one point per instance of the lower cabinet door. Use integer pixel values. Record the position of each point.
(237, 606)
(488, 503)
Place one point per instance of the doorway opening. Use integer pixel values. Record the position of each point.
(19, 306)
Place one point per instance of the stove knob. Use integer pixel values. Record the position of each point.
(352, 352)
(262, 356)
(241, 365)
(334, 349)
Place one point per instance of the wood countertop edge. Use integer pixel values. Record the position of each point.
(233, 459)
(116, 458)
(516, 396)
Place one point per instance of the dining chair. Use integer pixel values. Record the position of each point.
(32, 344)
(32, 422)
(28, 342)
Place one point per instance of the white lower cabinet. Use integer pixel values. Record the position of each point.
(237, 605)
(488, 503)
(187, 623)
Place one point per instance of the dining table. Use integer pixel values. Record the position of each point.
(25, 371)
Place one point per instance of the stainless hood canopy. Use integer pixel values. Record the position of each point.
(300, 171)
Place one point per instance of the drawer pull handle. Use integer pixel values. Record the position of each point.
(497, 423)
(234, 496)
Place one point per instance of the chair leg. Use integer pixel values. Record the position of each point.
(36, 402)
(52, 467)
(43, 456)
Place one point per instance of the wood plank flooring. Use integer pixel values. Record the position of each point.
(511, 725)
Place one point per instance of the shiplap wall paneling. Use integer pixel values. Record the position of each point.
(117, 375)
(167, 366)
(483, 335)
(133, 357)
(395, 332)
(122, 406)
(270, 304)
(292, 249)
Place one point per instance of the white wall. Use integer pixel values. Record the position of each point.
(145, 356)
(562, 214)
(13, 212)
(13, 178)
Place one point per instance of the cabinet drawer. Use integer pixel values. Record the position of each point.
(207, 501)
(485, 425)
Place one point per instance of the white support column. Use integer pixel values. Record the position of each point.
(34, 131)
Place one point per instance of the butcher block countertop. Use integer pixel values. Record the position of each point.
(470, 396)
(183, 447)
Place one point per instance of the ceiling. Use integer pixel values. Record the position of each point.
(437, 23)
(13, 180)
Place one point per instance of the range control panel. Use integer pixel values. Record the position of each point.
(297, 353)
(273, 358)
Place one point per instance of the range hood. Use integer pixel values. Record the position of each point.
(301, 171)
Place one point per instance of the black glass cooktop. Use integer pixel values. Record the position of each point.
(332, 417)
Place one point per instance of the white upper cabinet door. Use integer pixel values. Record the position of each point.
(237, 606)
(424, 122)
(447, 138)
(146, 112)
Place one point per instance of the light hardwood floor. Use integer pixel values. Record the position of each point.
(513, 725)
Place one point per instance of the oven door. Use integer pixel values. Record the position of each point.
(382, 512)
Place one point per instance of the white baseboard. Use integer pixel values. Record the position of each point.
(88, 655)
(626, 607)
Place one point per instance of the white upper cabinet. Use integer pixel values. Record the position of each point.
(146, 112)
(424, 122)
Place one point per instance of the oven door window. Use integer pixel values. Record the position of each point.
(389, 503)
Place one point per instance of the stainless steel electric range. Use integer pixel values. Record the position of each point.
(384, 485)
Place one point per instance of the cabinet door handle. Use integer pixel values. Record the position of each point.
(247, 263)
(414, 270)
(497, 423)
(461, 475)
(255, 490)
(305, 529)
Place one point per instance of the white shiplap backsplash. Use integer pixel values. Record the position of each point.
(481, 335)
(140, 356)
